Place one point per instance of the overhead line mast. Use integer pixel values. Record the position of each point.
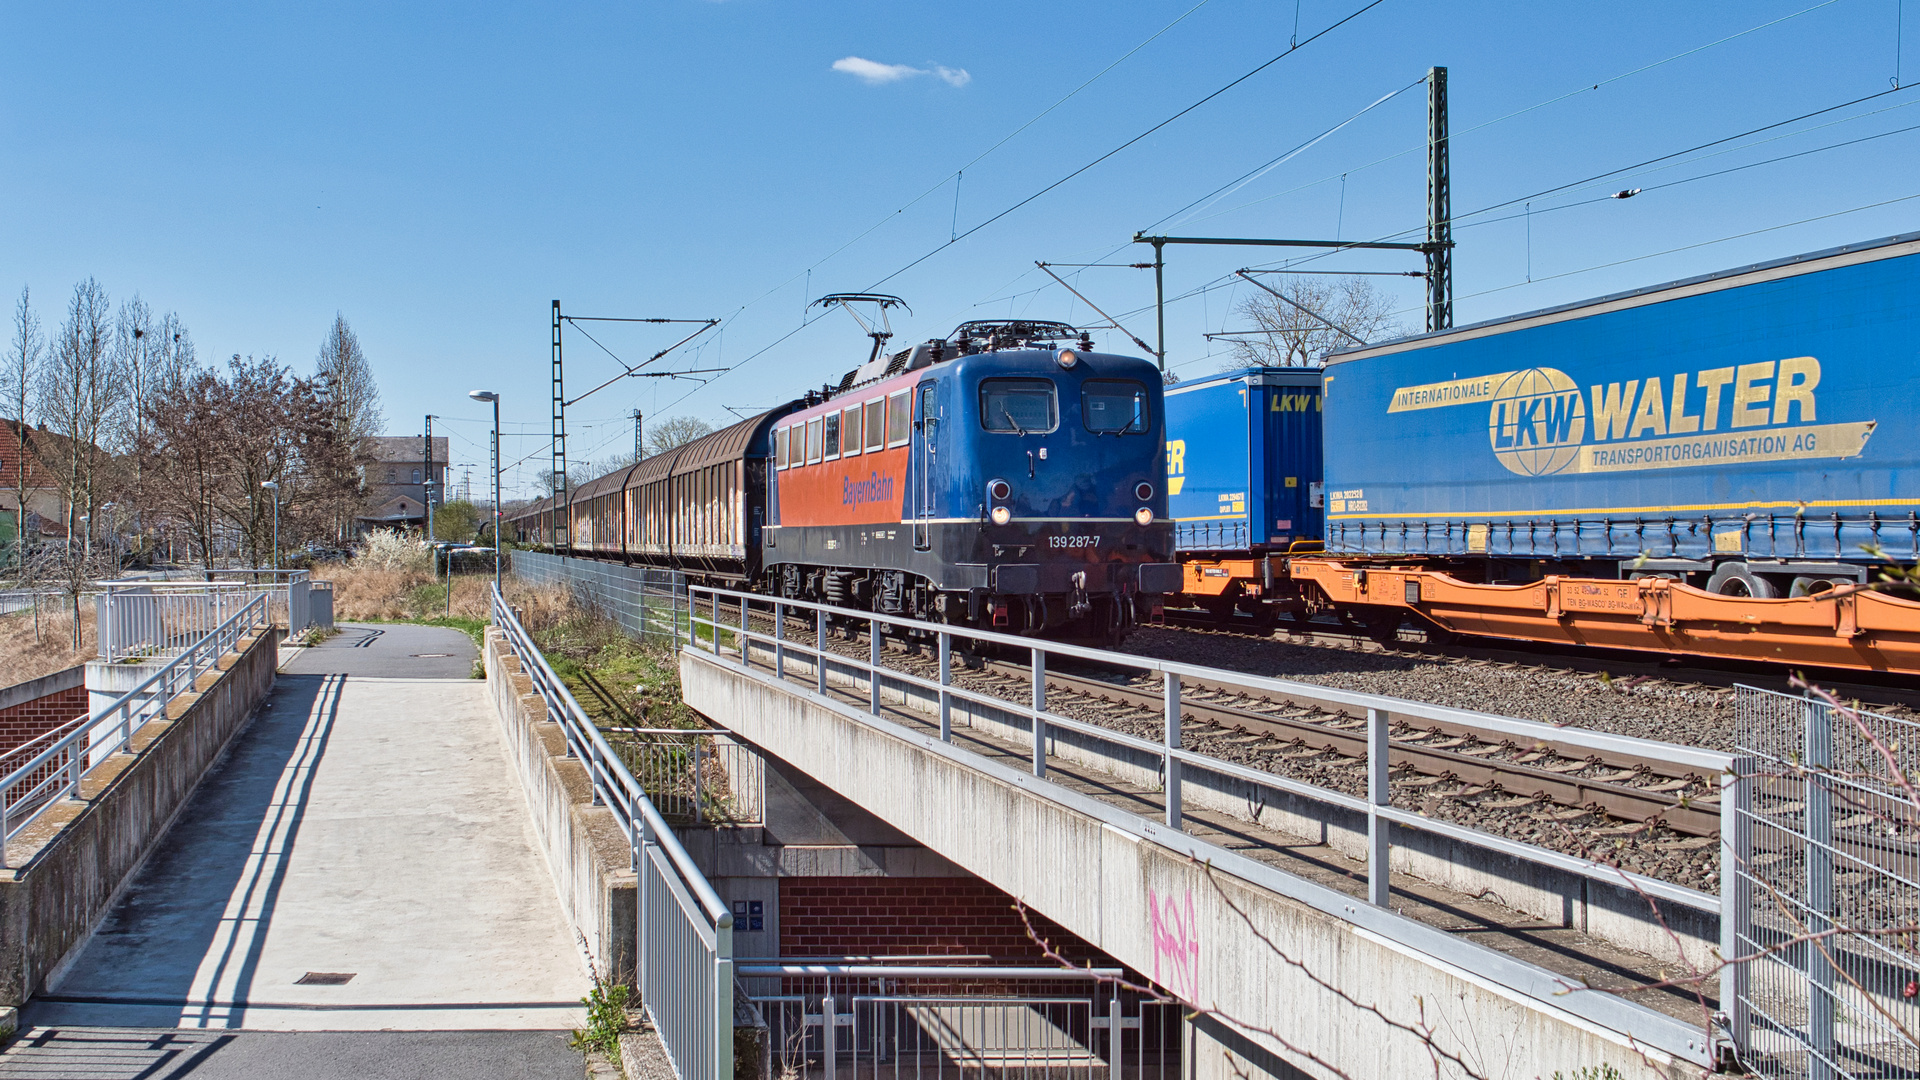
(1439, 207)
(1438, 247)
(556, 519)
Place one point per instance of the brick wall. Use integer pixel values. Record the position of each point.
(19, 724)
(877, 916)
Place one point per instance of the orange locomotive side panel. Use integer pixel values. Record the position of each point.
(1845, 629)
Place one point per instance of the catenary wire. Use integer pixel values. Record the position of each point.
(1076, 172)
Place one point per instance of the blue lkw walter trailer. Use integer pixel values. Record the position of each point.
(1751, 431)
(1243, 460)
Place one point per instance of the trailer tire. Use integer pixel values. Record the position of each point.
(1734, 579)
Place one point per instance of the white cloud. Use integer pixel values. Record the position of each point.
(875, 73)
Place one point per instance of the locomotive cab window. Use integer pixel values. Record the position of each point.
(780, 441)
(876, 423)
(833, 435)
(850, 431)
(899, 417)
(1113, 406)
(1018, 406)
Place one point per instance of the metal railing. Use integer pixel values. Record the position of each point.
(722, 625)
(685, 930)
(288, 588)
(1825, 943)
(695, 776)
(645, 602)
(147, 618)
(51, 767)
(859, 1021)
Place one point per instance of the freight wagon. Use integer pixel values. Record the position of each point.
(1723, 464)
(1243, 482)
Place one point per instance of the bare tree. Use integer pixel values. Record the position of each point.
(174, 360)
(82, 395)
(213, 440)
(675, 431)
(549, 480)
(21, 374)
(347, 379)
(135, 360)
(1285, 335)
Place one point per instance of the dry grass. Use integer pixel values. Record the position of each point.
(22, 658)
(375, 593)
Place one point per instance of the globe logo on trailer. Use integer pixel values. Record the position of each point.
(1537, 421)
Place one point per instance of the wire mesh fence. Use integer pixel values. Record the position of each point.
(695, 777)
(645, 602)
(1825, 982)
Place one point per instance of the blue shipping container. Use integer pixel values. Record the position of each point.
(1767, 412)
(1243, 459)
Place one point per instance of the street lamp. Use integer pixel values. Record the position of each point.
(488, 395)
(274, 487)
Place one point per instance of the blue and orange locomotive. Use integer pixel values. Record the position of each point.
(996, 478)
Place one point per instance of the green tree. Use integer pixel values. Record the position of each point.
(457, 520)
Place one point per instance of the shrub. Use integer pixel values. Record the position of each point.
(390, 549)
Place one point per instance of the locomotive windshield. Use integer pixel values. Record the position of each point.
(1021, 406)
(1113, 406)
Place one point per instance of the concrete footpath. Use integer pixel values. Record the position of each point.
(360, 862)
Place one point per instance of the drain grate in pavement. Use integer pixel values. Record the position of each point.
(431, 655)
(325, 978)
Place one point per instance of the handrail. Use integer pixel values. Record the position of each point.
(70, 759)
(685, 974)
(932, 971)
(1375, 708)
(576, 724)
(1372, 912)
(1715, 761)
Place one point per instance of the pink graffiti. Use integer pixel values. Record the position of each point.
(1176, 944)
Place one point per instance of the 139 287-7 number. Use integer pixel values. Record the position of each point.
(1073, 541)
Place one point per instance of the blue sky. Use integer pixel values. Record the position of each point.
(441, 173)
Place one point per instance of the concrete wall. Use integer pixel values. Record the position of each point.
(587, 854)
(72, 861)
(1612, 912)
(1258, 951)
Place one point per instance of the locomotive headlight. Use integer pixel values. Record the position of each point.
(998, 490)
(1143, 491)
(1068, 358)
(1001, 515)
(1143, 516)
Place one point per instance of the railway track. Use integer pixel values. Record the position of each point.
(1281, 735)
(1889, 691)
(1634, 810)
(1626, 787)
